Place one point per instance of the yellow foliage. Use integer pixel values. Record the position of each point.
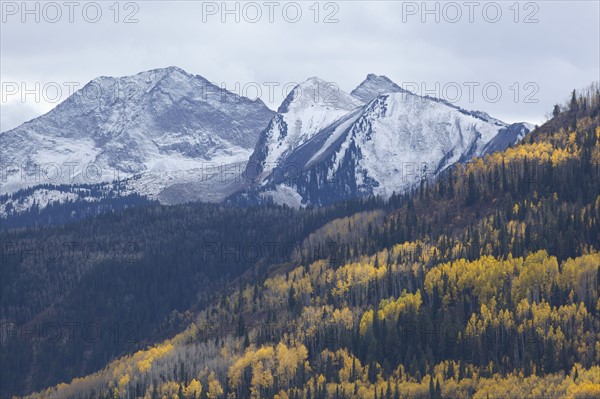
(405, 303)
(366, 322)
(215, 389)
(194, 389)
(151, 355)
(169, 389)
(123, 381)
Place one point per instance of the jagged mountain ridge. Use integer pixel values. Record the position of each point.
(388, 143)
(162, 132)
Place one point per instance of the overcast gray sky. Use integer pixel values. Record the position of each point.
(512, 60)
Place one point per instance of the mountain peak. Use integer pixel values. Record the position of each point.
(161, 120)
(375, 85)
(382, 78)
(313, 80)
(317, 92)
(169, 69)
(156, 72)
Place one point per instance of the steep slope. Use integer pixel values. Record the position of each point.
(308, 108)
(388, 145)
(507, 137)
(163, 120)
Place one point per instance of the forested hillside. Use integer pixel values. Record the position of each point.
(77, 295)
(482, 283)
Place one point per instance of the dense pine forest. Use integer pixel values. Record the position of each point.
(481, 283)
(76, 295)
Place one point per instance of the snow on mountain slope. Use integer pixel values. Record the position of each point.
(160, 121)
(178, 138)
(399, 137)
(309, 107)
(388, 145)
(41, 197)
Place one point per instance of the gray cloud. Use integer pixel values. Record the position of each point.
(543, 60)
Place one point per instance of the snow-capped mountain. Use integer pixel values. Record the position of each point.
(386, 141)
(157, 126)
(176, 137)
(308, 108)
